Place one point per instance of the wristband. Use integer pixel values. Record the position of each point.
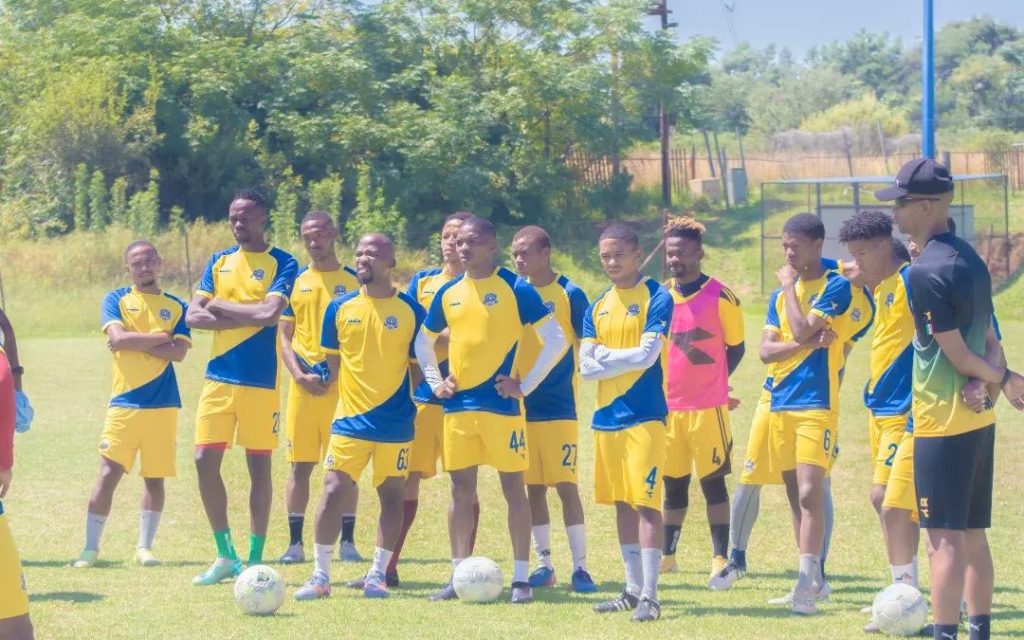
(18, 370)
(1006, 377)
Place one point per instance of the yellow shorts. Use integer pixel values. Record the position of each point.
(899, 491)
(628, 465)
(232, 414)
(150, 433)
(885, 434)
(553, 447)
(13, 595)
(428, 443)
(698, 440)
(307, 423)
(473, 438)
(805, 437)
(757, 463)
(352, 455)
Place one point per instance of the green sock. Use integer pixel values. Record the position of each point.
(225, 548)
(256, 548)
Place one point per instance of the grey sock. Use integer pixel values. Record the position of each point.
(93, 531)
(830, 515)
(148, 523)
(743, 514)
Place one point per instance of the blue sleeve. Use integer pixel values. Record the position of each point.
(181, 329)
(436, 322)
(659, 312)
(772, 320)
(578, 305)
(413, 289)
(588, 323)
(835, 299)
(288, 311)
(284, 279)
(206, 282)
(329, 330)
(871, 321)
(110, 310)
(531, 307)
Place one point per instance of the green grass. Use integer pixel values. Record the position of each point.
(68, 379)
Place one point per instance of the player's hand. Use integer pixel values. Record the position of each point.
(733, 402)
(508, 387)
(446, 388)
(5, 481)
(1014, 390)
(786, 275)
(975, 395)
(313, 384)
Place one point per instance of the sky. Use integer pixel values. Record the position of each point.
(802, 24)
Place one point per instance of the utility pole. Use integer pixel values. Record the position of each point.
(928, 82)
(660, 9)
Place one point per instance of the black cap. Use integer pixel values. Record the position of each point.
(923, 177)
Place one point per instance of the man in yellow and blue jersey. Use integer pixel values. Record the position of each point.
(311, 401)
(551, 426)
(240, 298)
(146, 333)
(624, 333)
(368, 337)
(486, 311)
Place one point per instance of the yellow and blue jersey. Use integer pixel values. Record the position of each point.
(810, 378)
(422, 288)
(555, 397)
(246, 356)
(374, 338)
(861, 299)
(313, 291)
(142, 381)
(617, 320)
(888, 390)
(486, 317)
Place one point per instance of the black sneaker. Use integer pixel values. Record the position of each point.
(521, 593)
(625, 602)
(447, 592)
(390, 579)
(648, 610)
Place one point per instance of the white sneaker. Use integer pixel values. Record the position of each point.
(822, 595)
(803, 602)
(725, 578)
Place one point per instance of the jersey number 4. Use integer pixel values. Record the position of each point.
(517, 441)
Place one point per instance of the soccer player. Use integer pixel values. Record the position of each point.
(311, 400)
(551, 426)
(15, 622)
(146, 333)
(623, 336)
(241, 296)
(368, 337)
(486, 310)
(23, 408)
(705, 346)
(956, 353)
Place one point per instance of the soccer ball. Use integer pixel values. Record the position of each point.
(259, 590)
(477, 579)
(900, 610)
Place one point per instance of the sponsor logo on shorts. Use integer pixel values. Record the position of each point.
(340, 290)
(890, 299)
(288, 443)
(24, 585)
(748, 465)
(165, 314)
(329, 461)
(391, 323)
(258, 274)
(855, 315)
(633, 310)
(104, 444)
(550, 306)
(490, 299)
(277, 422)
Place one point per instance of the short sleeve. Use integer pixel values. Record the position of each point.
(110, 310)
(329, 331)
(932, 298)
(436, 321)
(733, 331)
(289, 313)
(531, 307)
(181, 329)
(206, 282)
(413, 289)
(869, 321)
(578, 305)
(659, 312)
(589, 331)
(284, 279)
(771, 321)
(835, 298)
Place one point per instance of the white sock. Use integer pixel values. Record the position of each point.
(148, 522)
(578, 545)
(634, 567)
(521, 571)
(542, 543)
(905, 573)
(381, 558)
(810, 572)
(651, 560)
(456, 562)
(322, 558)
(93, 531)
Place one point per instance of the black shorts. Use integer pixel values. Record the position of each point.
(953, 479)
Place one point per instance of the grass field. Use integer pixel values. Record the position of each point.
(68, 380)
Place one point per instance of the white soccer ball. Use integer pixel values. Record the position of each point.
(900, 610)
(477, 579)
(259, 590)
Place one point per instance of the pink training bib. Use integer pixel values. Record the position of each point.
(698, 373)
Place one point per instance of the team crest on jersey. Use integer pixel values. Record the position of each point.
(855, 315)
(550, 306)
(258, 274)
(165, 314)
(490, 299)
(340, 290)
(890, 299)
(633, 310)
(391, 322)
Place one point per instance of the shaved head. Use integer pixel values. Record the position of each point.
(136, 244)
(533, 234)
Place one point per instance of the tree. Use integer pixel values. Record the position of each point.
(81, 210)
(99, 204)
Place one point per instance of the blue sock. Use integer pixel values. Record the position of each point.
(739, 558)
(979, 627)
(945, 631)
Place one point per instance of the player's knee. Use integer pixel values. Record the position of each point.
(714, 489)
(677, 493)
(877, 497)
(567, 491)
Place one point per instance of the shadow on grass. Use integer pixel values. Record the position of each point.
(183, 563)
(44, 564)
(729, 612)
(77, 597)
